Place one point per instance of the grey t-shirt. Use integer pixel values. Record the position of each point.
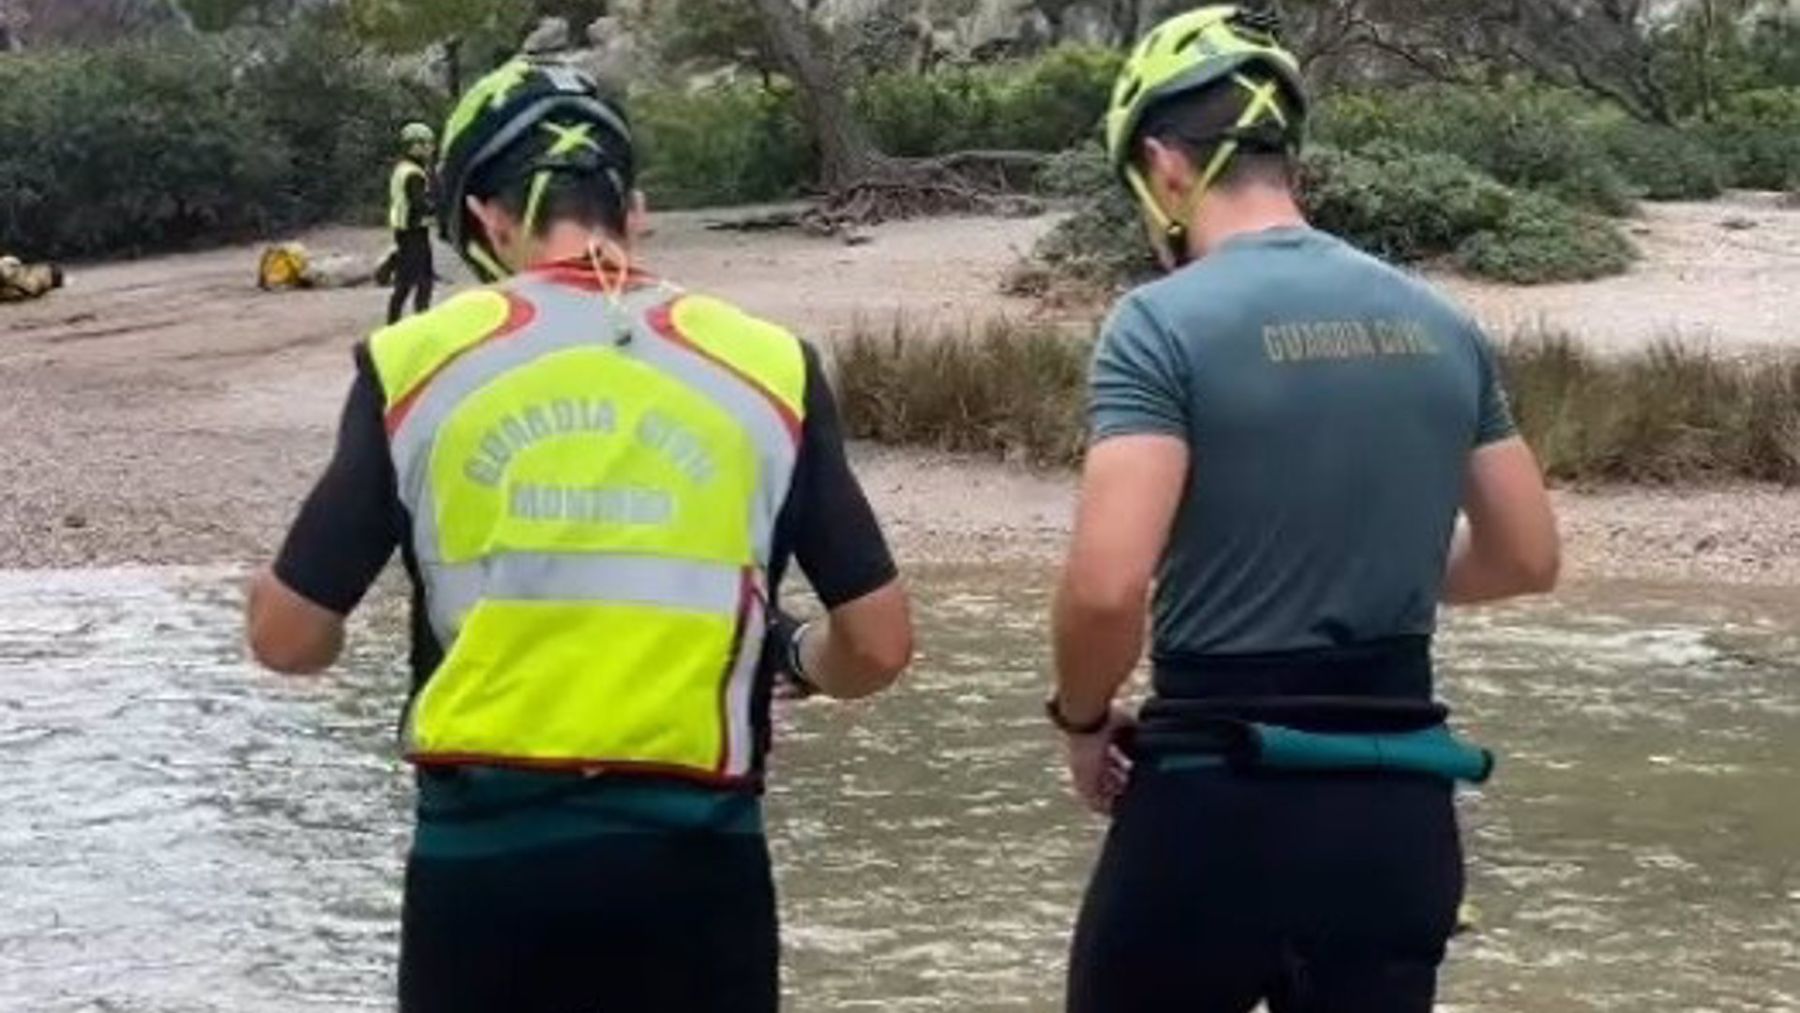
(1331, 403)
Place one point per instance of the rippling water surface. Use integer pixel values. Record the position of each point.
(181, 833)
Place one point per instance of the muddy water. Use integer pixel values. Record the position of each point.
(180, 833)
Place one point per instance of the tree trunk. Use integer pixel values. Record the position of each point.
(1125, 18)
(846, 154)
(1709, 15)
(453, 66)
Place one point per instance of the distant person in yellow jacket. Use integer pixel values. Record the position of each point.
(412, 210)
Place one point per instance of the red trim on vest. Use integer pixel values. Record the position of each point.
(579, 273)
(519, 315)
(662, 320)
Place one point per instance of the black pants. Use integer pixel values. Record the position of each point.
(625, 923)
(1318, 894)
(414, 273)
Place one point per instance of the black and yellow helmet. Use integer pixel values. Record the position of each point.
(527, 120)
(1209, 46)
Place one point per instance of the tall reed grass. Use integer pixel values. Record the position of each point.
(1672, 413)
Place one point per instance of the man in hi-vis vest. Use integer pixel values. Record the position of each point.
(411, 211)
(597, 482)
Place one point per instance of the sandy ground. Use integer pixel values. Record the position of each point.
(164, 411)
(1725, 273)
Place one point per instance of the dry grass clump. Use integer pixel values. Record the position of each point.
(1672, 413)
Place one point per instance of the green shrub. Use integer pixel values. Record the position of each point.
(337, 110)
(742, 143)
(733, 144)
(918, 115)
(1101, 244)
(1663, 163)
(1526, 137)
(1759, 132)
(131, 148)
(1051, 103)
(1400, 204)
(1057, 102)
(1542, 240)
(140, 147)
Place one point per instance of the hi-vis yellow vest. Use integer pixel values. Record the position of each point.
(399, 204)
(594, 486)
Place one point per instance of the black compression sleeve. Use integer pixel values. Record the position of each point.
(351, 523)
(827, 524)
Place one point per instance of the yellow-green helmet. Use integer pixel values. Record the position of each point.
(556, 115)
(1197, 50)
(415, 135)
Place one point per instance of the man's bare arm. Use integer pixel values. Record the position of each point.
(1131, 489)
(1510, 546)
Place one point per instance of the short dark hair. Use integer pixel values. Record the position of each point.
(586, 199)
(1200, 122)
(596, 199)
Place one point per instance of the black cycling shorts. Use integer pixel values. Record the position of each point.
(622, 923)
(1315, 893)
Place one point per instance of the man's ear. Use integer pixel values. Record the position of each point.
(1168, 171)
(494, 221)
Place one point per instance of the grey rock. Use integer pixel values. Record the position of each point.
(552, 35)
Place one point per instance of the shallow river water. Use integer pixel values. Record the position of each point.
(181, 833)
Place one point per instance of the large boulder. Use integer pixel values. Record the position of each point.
(551, 35)
(614, 53)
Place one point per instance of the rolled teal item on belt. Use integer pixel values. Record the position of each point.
(1435, 751)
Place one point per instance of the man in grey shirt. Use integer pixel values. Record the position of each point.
(1285, 431)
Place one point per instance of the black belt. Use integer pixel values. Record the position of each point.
(1395, 668)
(1361, 700)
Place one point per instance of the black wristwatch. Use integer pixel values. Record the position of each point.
(1053, 710)
(797, 660)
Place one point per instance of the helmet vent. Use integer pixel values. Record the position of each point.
(1265, 25)
(1189, 39)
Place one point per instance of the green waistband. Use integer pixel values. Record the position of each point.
(484, 812)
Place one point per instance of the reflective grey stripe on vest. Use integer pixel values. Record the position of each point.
(547, 576)
(566, 319)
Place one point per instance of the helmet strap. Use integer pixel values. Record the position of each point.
(486, 264)
(611, 263)
(1264, 101)
(603, 254)
(534, 203)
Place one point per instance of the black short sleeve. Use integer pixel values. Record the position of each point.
(352, 521)
(827, 525)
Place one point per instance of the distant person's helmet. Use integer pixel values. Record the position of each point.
(417, 135)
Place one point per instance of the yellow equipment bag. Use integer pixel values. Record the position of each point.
(283, 266)
(20, 281)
